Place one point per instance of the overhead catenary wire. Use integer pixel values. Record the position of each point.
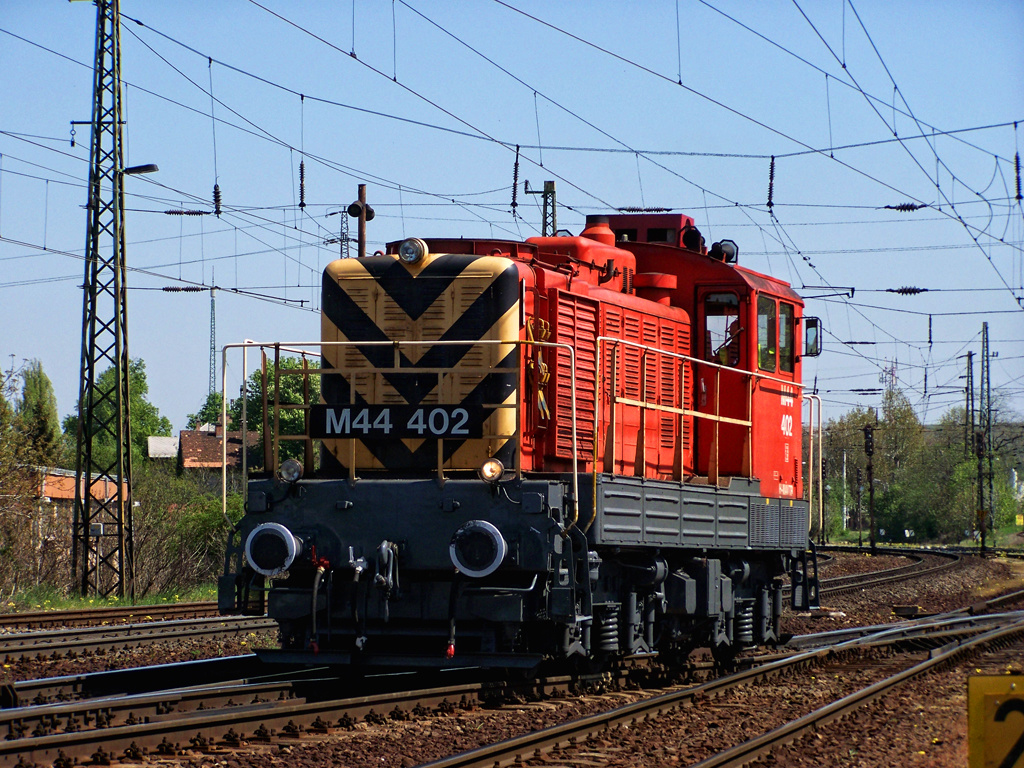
(443, 203)
(892, 128)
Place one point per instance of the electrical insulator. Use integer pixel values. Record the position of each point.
(302, 184)
(1016, 160)
(905, 207)
(515, 180)
(216, 199)
(907, 290)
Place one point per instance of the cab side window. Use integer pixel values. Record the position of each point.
(787, 351)
(722, 328)
(766, 333)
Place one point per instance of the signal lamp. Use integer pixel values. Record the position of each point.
(726, 251)
(491, 471)
(413, 250)
(356, 208)
(290, 471)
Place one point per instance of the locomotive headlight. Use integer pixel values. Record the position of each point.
(491, 471)
(290, 471)
(412, 250)
(271, 549)
(477, 549)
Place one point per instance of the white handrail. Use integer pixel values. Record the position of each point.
(814, 460)
(303, 347)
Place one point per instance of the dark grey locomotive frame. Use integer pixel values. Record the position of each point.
(662, 567)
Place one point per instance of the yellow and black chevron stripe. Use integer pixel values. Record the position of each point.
(446, 297)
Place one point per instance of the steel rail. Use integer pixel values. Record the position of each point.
(47, 719)
(518, 749)
(842, 584)
(45, 644)
(132, 680)
(96, 616)
(258, 720)
(931, 626)
(757, 747)
(254, 721)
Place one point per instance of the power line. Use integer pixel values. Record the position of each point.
(912, 156)
(420, 96)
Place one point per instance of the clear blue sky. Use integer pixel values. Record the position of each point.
(428, 112)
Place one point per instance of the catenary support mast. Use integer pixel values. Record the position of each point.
(102, 540)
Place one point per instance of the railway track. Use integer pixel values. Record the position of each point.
(55, 643)
(225, 714)
(233, 714)
(924, 564)
(1012, 630)
(237, 708)
(118, 614)
(574, 743)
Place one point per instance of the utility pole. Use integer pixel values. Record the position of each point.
(213, 336)
(846, 514)
(549, 224)
(102, 550)
(969, 406)
(360, 210)
(860, 531)
(869, 449)
(983, 440)
(979, 449)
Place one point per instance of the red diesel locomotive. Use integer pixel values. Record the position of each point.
(565, 448)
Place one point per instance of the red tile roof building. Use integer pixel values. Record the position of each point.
(201, 448)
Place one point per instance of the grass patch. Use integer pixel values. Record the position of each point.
(51, 599)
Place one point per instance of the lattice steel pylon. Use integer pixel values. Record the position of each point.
(102, 551)
(549, 223)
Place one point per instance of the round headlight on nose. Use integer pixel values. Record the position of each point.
(412, 250)
(271, 549)
(290, 470)
(477, 548)
(491, 471)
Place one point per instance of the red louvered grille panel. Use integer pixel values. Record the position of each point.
(651, 377)
(613, 328)
(629, 377)
(686, 370)
(668, 384)
(576, 325)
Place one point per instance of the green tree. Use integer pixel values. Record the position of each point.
(180, 531)
(900, 437)
(37, 419)
(293, 389)
(146, 420)
(17, 487)
(842, 451)
(209, 413)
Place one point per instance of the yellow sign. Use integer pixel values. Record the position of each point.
(995, 721)
(1020, 520)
